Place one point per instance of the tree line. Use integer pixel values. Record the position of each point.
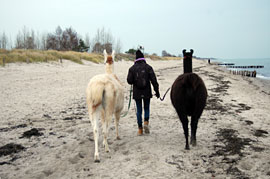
(62, 40)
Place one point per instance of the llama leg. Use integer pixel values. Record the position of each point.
(194, 124)
(184, 121)
(96, 135)
(103, 126)
(108, 117)
(117, 118)
(109, 101)
(105, 135)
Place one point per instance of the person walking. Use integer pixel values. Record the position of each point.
(140, 75)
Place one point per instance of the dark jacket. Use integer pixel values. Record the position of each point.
(150, 77)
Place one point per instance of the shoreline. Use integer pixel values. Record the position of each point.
(48, 99)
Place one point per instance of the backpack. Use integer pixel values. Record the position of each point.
(141, 77)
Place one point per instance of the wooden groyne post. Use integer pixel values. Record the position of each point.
(4, 61)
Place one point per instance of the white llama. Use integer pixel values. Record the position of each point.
(105, 97)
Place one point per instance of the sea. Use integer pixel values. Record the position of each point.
(263, 73)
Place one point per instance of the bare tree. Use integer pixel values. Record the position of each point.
(97, 38)
(108, 37)
(30, 40)
(10, 42)
(107, 47)
(165, 54)
(102, 40)
(97, 48)
(51, 41)
(87, 41)
(70, 39)
(118, 46)
(25, 34)
(19, 41)
(4, 41)
(102, 36)
(38, 41)
(58, 34)
(44, 41)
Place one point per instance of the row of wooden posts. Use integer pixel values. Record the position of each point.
(247, 73)
(253, 66)
(244, 73)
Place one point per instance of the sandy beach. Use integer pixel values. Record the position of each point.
(44, 122)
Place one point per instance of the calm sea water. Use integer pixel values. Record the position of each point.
(261, 72)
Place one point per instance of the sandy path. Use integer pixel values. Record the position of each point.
(233, 139)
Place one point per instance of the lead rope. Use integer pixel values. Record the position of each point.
(130, 93)
(161, 99)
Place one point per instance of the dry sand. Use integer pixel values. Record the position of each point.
(48, 99)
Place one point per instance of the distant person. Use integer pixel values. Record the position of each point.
(140, 75)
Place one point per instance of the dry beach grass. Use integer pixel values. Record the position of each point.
(45, 131)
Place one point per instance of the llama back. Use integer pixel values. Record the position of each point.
(190, 88)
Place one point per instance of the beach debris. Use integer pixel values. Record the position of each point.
(260, 133)
(13, 127)
(10, 149)
(30, 133)
(68, 118)
(232, 143)
(47, 116)
(249, 122)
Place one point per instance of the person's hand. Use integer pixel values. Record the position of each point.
(157, 94)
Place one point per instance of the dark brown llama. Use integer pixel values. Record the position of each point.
(188, 96)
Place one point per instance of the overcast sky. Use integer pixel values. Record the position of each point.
(213, 28)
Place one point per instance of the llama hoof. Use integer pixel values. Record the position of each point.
(187, 148)
(107, 150)
(193, 142)
(97, 159)
(118, 138)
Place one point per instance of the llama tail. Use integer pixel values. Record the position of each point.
(95, 93)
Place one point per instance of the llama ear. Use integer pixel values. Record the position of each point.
(113, 54)
(184, 52)
(105, 55)
(191, 51)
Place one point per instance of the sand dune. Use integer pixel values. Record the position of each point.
(45, 131)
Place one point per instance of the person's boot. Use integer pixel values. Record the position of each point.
(140, 131)
(146, 127)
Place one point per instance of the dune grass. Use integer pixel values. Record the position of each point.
(172, 58)
(34, 56)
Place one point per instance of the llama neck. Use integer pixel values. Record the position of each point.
(187, 65)
(109, 68)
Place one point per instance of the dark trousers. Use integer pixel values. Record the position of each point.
(146, 107)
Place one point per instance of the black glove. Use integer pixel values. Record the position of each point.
(157, 94)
